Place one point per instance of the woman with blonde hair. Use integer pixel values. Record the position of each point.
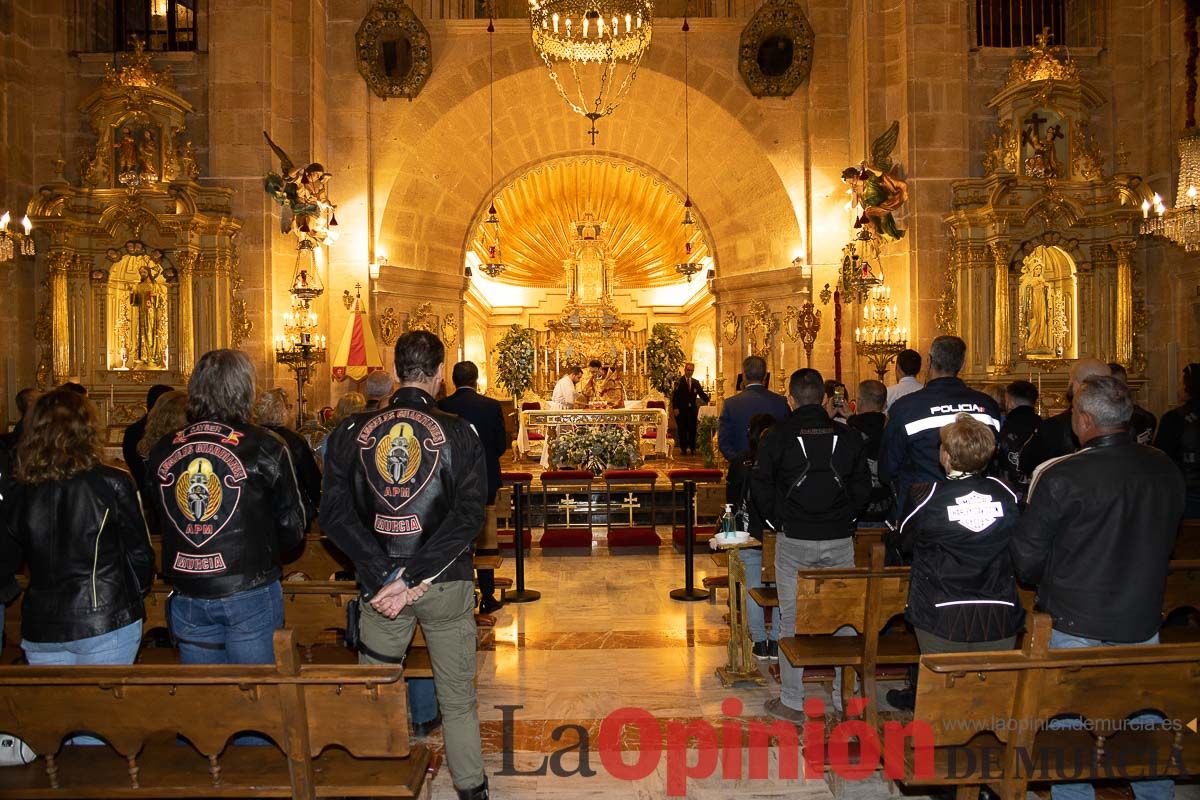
(272, 410)
(351, 403)
(78, 525)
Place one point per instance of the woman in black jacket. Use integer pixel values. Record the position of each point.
(78, 526)
(963, 594)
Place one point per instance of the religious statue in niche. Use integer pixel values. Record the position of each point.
(139, 282)
(149, 302)
(1039, 147)
(136, 151)
(876, 188)
(1044, 321)
(302, 194)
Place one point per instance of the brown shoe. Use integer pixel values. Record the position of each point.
(777, 709)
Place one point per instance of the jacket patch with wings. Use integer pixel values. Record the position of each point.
(399, 450)
(200, 486)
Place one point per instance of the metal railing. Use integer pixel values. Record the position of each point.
(1016, 23)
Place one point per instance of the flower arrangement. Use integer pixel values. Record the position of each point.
(706, 433)
(515, 356)
(596, 448)
(665, 357)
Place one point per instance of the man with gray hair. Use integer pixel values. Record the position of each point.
(1096, 537)
(377, 388)
(1054, 437)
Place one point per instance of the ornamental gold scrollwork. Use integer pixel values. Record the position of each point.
(1001, 155)
(1043, 64)
(1085, 154)
(389, 326)
(450, 330)
(729, 328)
(422, 318)
(240, 324)
(761, 327)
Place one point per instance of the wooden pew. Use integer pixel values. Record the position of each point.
(139, 710)
(970, 702)
(1187, 544)
(314, 610)
(865, 540)
(863, 597)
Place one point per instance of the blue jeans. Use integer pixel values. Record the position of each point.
(1142, 790)
(422, 701)
(115, 647)
(791, 557)
(752, 561)
(236, 629)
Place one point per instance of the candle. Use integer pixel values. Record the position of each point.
(556, 362)
(110, 394)
(624, 360)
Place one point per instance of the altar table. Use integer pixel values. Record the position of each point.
(639, 418)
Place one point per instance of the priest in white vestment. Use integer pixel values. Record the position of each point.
(564, 390)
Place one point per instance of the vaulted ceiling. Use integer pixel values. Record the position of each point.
(643, 215)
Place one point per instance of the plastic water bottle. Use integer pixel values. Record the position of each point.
(727, 527)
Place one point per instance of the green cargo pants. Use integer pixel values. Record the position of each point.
(446, 614)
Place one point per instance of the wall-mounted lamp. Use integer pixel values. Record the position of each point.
(374, 267)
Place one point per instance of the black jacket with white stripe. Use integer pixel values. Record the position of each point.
(963, 587)
(909, 454)
(1096, 538)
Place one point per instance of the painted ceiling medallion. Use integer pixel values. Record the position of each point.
(775, 55)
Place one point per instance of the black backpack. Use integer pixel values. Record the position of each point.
(820, 490)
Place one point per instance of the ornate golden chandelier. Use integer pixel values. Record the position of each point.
(1180, 224)
(572, 35)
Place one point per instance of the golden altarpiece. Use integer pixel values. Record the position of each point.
(1041, 247)
(140, 269)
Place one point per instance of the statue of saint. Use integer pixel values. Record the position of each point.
(148, 299)
(148, 155)
(127, 152)
(1037, 309)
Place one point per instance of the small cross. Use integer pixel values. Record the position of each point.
(593, 133)
(1036, 121)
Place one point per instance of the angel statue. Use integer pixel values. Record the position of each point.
(302, 194)
(876, 188)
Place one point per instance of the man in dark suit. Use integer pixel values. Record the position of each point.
(734, 425)
(135, 432)
(685, 406)
(487, 418)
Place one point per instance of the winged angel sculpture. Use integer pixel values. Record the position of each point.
(877, 189)
(302, 194)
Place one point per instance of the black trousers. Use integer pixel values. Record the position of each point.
(685, 429)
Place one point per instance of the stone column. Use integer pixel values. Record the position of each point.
(1124, 343)
(186, 261)
(1001, 336)
(60, 331)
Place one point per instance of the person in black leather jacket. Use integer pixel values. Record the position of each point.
(403, 497)
(1143, 422)
(1179, 437)
(1019, 427)
(963, 595)
(1096, 537)
(271, 410)
(1100, 524)
(229, 505)
(78, 525)
(1055, 437)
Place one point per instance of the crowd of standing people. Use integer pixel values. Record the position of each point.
(978, 496)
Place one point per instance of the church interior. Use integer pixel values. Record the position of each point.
(818, 183)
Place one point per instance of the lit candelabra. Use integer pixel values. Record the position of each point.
(301, 348)
(880, 338)
(12, 242)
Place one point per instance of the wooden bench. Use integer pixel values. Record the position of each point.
(314, 610)
(865, 540)
(1187, 543)
(140, 710)
(864, 598)
(988, 711)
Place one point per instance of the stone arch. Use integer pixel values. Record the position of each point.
(440, 176)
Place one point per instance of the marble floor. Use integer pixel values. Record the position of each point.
(605, 635)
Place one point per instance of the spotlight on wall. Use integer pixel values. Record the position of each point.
(374, 267)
